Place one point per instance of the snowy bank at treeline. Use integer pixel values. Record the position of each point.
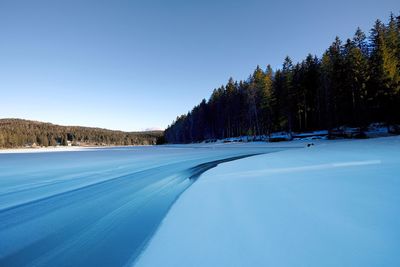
(332, 204)
(374, 130)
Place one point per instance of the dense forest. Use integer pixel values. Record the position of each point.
(354, 83)
(19, 133)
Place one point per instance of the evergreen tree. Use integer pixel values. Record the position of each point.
(360, 41)
(266, 99)
(288, 93)
(384, 74)
(356, 69)
(334, 89)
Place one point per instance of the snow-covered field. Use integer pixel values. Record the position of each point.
(95, 207)
(332, 204)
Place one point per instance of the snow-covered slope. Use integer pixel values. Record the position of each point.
(334, 204)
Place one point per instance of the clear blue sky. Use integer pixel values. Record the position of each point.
(133, 65)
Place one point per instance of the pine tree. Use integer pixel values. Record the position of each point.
(334, 90)
(266, 99)
(255, 90)
(356, 69)
(360, 41)
(384, 74)
(288, 92)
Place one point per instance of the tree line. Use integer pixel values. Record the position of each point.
(354, 83)
(20, 133)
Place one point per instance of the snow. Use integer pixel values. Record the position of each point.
(312, 133)
(96, 207)
(44, 149)
(377, 129)
(332, 204)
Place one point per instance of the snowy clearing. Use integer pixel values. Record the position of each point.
(333, 204)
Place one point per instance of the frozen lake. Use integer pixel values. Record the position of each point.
(97, 207)
(332, 204)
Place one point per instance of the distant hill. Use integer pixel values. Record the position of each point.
(23, 133)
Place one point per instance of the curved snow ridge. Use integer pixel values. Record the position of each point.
(107, 223)
(198, 170)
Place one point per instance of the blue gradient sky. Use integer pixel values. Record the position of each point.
(133, 65)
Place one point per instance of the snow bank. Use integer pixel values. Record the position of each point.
(43, 149)
(333, 204)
